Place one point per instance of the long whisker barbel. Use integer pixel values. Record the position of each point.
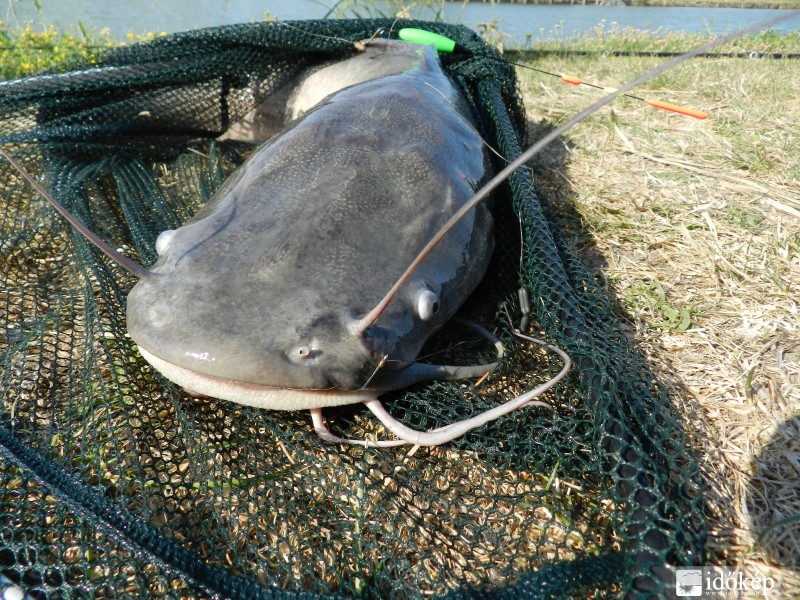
(128, 264)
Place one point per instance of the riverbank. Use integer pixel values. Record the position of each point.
(24, 51)
(785, 4)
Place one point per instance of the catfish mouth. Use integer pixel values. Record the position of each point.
(254, 394)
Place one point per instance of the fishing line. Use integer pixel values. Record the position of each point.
(444, 44)
(384, 359)
(125, 262)
(485, 143)
(574, 80)
(352, 43)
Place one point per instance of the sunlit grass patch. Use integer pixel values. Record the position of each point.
(694, 228)
(27, 51)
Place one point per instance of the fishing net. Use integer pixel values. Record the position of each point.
(115, 483)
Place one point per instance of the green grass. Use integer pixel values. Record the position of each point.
(27, 51)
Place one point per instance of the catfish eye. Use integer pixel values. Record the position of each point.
(427, 305)
(300, 353)
(163, 240)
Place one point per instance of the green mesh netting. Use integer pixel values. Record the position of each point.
(115, 483)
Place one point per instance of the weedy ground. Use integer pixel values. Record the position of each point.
(693, 227)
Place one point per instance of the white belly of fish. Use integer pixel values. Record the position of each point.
(249, 394)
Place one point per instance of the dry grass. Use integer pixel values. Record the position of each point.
(695, 228)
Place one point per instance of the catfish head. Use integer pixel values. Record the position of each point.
(261, 297)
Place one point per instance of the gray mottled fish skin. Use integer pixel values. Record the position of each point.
(263, 286)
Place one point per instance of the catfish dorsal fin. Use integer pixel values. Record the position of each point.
(126, 263)
(359, 327)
